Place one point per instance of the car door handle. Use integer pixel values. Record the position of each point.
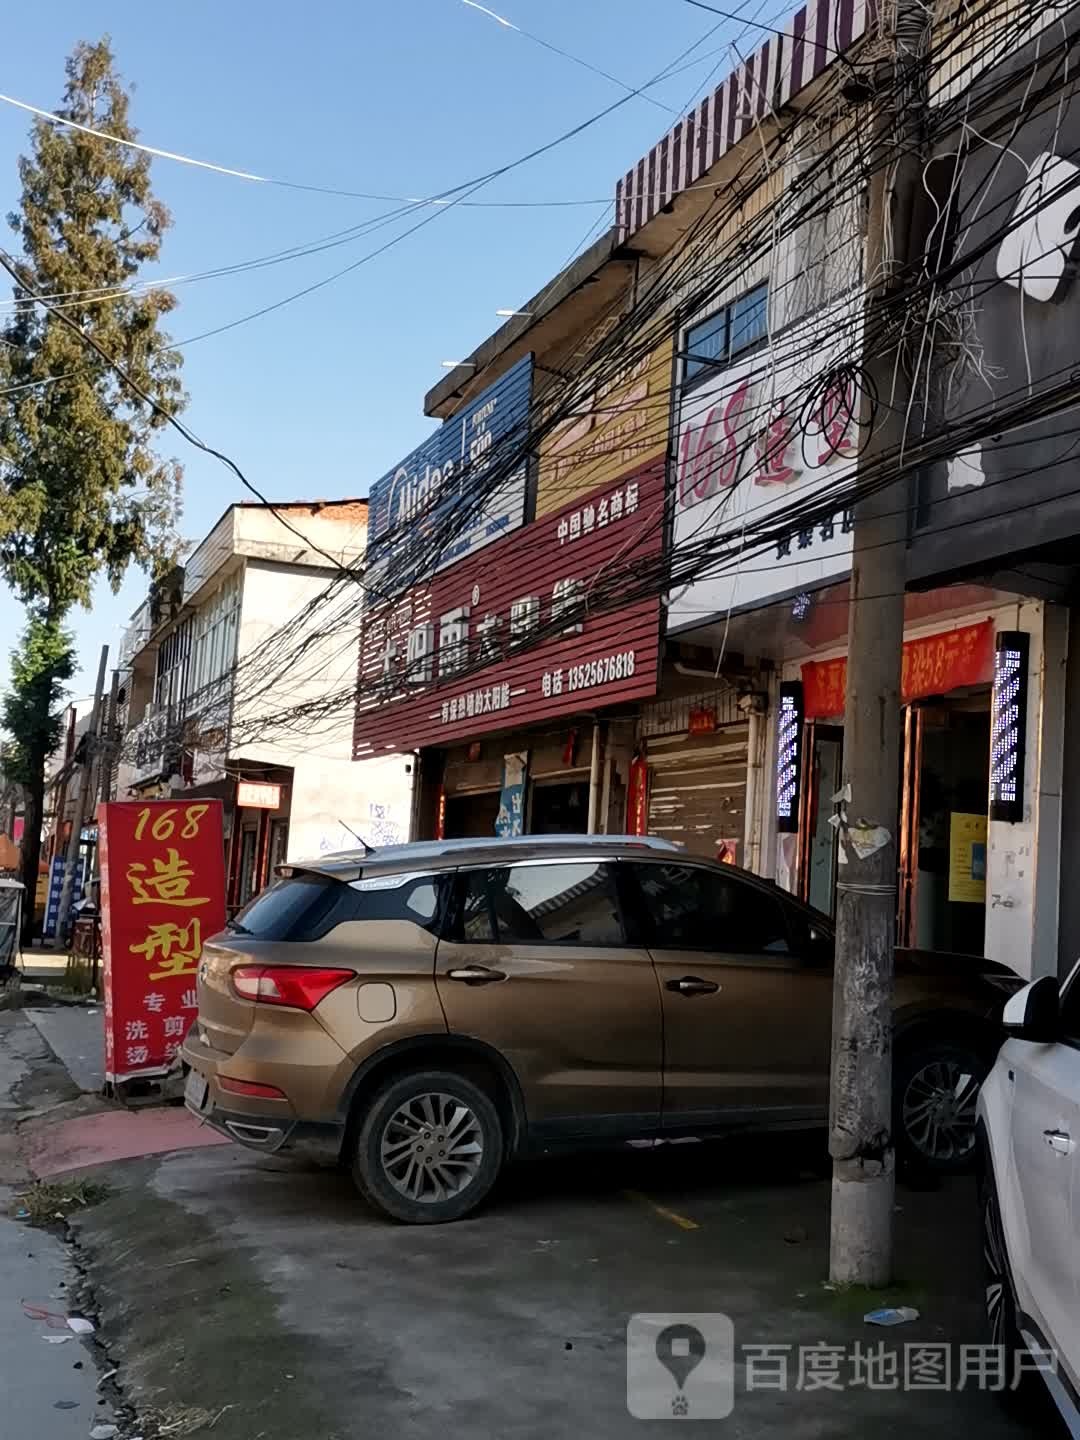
(476, 975)
(691, 985)
(1059, 1141)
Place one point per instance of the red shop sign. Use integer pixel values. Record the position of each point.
(932, 665)
(162, 896)
(423, 680)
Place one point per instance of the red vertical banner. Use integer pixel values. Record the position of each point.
(162, 896)
(637, 797)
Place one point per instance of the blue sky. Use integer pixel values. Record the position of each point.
(407, 98)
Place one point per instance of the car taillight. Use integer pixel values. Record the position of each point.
(301, 987)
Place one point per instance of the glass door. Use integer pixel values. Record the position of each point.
(819, 852)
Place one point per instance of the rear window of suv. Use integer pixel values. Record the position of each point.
(306, 907)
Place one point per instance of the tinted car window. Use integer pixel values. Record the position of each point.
(307, 907)
(571, 904)
(688, 908)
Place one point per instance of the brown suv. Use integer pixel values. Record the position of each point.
(428, 1011)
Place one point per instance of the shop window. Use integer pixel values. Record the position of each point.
(694, 909)
(572, 904)
(716, 341)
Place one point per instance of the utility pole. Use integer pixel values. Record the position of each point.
(82, 793)
(860, 1116)
(106, 752)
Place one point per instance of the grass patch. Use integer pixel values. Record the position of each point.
(52, 1200)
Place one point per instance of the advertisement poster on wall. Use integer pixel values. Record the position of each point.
(510, 820)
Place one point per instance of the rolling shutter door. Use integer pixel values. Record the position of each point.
(697, 790)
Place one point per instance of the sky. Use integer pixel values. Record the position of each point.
(407, 98)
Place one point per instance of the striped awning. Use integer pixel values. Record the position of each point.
(811, 41)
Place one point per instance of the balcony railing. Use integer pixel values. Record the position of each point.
(154, 744)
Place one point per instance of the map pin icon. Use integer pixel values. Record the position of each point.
(680, 1349)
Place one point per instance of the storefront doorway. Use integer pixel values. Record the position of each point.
(820, 852)
(943, 806)
(559, 808)
(471, 817)
(945, 767)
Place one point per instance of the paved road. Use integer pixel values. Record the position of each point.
(238, 1280)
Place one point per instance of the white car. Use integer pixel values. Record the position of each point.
(1029, 1154)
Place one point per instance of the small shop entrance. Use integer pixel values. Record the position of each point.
(471, 817)
(559, 808)
(945, 769)
(943, 807)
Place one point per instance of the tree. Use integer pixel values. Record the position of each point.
(31, 712)
(82, 489)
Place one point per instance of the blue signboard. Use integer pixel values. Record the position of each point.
(434, 489)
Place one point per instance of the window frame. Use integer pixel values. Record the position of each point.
(788, 959)
(703, 367)
(454, 934)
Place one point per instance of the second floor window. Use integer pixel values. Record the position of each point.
(715, 342)
(216, 625)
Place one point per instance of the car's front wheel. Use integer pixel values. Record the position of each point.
(429, 1148)
(999, 1301)
(935, 1090)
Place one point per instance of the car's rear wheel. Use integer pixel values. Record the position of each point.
(935, 1090)
(429, 1148)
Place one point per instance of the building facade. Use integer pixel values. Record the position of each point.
(258, 626)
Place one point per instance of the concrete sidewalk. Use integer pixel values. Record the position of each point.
(76, 1035)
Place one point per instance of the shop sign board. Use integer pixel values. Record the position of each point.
(428, 491)
(616, 425)
(162, 897)
(256, 795)
(764, 434)
(479, 648)
(932, 665)
(1011, 480)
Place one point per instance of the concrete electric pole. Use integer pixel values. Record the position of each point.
(860, 1121)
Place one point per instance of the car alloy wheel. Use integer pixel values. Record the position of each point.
(998, 1293)
(432, 1148)
(938, 1110)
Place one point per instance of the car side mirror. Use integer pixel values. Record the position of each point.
(1034, 1013)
